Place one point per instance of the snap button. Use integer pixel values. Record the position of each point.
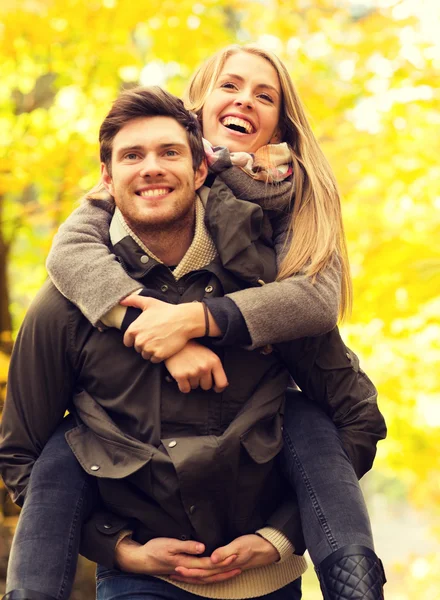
(164, 288)
(168, 379)
(95, 468)
(192, 509)
(107, 526)
(183, 538)
(145, 259)
(208, 289)
(172, 444)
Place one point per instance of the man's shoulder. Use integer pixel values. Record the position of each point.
(51, 308)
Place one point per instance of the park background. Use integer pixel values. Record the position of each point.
(368, 74)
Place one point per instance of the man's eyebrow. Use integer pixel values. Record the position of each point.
(128, 149)
(241, 79)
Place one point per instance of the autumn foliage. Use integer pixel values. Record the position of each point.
(368, 75)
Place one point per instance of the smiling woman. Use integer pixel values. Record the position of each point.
(242, 111)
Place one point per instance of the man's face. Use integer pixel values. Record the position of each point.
(153, 181)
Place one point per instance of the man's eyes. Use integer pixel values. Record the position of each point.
(171, 153)
(131, 156)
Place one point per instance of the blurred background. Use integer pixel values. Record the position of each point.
(368, 74)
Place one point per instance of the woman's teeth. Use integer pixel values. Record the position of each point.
(237, 124)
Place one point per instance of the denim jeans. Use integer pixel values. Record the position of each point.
(332, 507)
(59, 498)
(60, 495)
(115, 585)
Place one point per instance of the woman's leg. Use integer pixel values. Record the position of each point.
(59, 497)
(334, 516)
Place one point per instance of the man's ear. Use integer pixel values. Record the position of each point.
(201, 174)
(106, 179)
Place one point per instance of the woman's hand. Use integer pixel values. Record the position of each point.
(163, 329)
(196, 366)
(251, 551)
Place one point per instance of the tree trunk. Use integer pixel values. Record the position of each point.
(5, 315)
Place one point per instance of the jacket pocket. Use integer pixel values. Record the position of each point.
(103, 457)
(264, 440)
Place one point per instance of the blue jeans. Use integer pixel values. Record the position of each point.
(60, 496)
(115, 585)
(332, 507)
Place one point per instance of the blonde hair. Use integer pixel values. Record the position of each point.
(316, 232)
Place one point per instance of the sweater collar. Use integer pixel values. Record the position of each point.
(201, 252)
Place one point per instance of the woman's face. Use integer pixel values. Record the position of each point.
(243, 110)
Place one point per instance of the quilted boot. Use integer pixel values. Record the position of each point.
(27, 595)
(352, 573)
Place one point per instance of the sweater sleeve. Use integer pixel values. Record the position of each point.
(82, 266)
(298, 306)
(293, 308)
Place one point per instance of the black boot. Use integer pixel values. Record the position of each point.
(352, 573)
(27, 595)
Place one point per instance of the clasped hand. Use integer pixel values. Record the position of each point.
(162, 329)
(181, 560)
(161, 332)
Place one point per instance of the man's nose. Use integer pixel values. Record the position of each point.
(151, 167)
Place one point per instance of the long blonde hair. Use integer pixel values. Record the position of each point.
(316, 228)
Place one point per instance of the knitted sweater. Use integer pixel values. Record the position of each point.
(85, 271)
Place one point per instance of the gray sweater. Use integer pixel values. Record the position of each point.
(85, 271)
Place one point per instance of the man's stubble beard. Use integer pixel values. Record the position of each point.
(166, 233)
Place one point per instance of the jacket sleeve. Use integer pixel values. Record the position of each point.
(329, 374)
(40, 384)
(82, 266)
(99, 536)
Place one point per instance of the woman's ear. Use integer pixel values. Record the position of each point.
(276, 137)
(106, 179)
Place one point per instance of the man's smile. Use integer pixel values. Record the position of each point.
(154, 192)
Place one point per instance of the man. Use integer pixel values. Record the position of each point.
(169, 471)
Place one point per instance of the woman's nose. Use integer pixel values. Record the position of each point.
(244, 99)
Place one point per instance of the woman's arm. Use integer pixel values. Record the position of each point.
(81, 265)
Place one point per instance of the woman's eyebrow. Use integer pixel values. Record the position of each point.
(241, 79)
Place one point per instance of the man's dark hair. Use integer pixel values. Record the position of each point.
(149, 102)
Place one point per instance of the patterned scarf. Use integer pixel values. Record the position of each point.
(271, 163)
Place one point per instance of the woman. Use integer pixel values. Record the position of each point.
(245, 113)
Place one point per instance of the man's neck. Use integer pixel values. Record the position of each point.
(171, 244)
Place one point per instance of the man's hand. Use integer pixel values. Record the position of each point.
(161, 556)
(163, 329)
(251, 551)
(194, 366)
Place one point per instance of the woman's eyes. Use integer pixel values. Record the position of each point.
(266, 97)
(229, 86)
(232, 86)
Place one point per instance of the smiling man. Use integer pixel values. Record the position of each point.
(190, 487)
